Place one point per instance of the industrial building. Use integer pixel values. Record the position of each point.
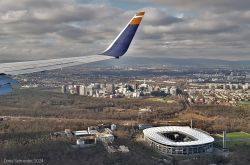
(178, 140)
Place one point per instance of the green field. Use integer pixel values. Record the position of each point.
(235, 140)
(244, 104)
(234, 135)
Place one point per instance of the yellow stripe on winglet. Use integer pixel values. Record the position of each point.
(136, 21)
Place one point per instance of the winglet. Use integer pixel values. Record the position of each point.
(121, 43)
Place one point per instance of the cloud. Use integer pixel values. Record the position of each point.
(158, 17)
(207, 29)
(193, 26)
(60, 25)
(219, 5)
(34, 29)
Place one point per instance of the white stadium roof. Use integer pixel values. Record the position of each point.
(154, 134)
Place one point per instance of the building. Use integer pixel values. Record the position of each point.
(83, 90)
(87, 141)
(97, 86)
(110, 88)
(105, 138)
(77, 87)
(64, 89)
(166, 89)
(90, 90)
(178, 140)
(246, 86)
(248, 77)
(136, 94)
(173, 91)
(113, 127)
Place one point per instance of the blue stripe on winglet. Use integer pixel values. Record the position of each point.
(121, 45)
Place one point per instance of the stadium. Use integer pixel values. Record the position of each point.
(178, 140)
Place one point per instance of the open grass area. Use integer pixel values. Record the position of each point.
(234, 140)
(234, 135)
(163, 100)
(237, 135)
(244, 102)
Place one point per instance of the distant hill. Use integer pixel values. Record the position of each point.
(159, 61)
(133, 61)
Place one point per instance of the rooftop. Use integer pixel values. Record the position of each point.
(177, 136)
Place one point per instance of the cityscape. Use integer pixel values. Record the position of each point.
(112, 114)
(140, 107)
(217, 87)
(107, 82)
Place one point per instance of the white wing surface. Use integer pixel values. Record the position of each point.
(17, 68)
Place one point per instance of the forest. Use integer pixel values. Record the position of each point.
(28, 117)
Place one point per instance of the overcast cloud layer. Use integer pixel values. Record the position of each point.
(40, 29)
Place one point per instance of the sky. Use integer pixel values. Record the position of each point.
(44, 29)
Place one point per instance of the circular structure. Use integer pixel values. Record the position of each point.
(177, 140)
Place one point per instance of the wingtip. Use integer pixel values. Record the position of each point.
(137, 18)
(122, 42)
(141, 13)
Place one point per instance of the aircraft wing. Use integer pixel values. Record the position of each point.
(115, 50)
(18, 68)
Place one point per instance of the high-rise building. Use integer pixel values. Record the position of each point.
(150, 88)
(90, 90)
(102, 86)
(248, 77)
(83, 90)
(110, 88)
(173, 91)
(64, 89)
(97, 86)
(77, 89)
(245, 87)
(230, 86)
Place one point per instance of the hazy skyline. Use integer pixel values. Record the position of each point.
(35, 29)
